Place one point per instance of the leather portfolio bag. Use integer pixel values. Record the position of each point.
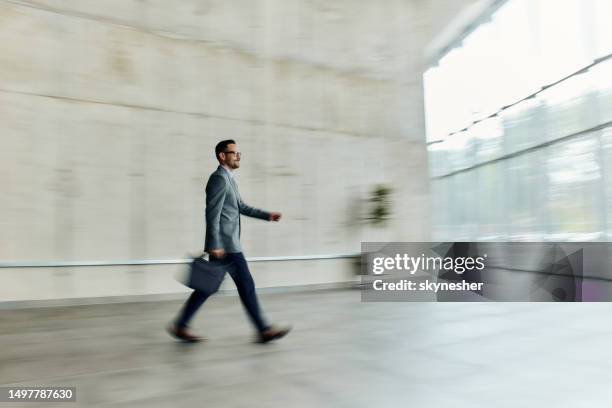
(206, 276)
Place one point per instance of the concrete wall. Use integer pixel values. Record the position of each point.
(109, 112)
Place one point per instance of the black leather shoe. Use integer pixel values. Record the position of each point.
(183, 334)
(273, 333)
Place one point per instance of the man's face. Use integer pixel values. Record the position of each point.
(231, 156)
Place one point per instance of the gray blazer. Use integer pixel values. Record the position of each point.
(223, 209)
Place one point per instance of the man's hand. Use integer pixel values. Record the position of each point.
(217, 253)
(275, 216)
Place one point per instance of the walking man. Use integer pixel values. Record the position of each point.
(223, 209)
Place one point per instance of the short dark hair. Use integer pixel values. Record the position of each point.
(222, 145)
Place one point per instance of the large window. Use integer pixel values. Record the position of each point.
(518, 119)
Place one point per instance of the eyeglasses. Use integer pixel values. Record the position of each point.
(236, 153)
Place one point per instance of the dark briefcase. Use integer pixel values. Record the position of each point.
(206, 276)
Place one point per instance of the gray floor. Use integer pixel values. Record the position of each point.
(342, 353)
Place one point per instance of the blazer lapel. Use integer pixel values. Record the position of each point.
(235, 187)
(231, 180)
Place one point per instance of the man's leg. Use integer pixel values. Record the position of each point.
(192, 305)
(246, 289)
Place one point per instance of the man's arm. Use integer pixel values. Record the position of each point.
(215, 196)
(253, 212)
(257, 213)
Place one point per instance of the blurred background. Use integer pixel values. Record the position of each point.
(403, 120)
(110, 112)
(369, 120)
(519, 109)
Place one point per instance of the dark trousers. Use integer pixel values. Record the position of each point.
(239, 271)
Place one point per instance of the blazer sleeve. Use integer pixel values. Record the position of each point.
(253, 212)
(216, 189)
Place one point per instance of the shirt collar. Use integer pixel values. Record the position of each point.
(231, 173)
